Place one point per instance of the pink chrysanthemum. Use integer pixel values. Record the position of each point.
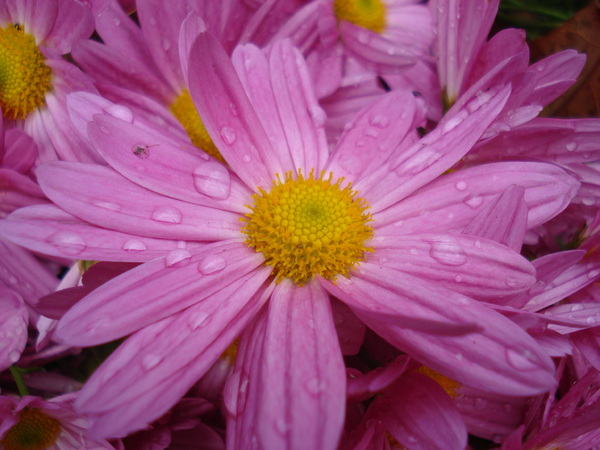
(257, 247)
(36, 79)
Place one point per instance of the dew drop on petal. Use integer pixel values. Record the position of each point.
(447, 251)
(371, 132)
(571, 146)
(151, 360)
(212, 179)
(12, 280)
(317, 116)
(13, 356)
(474, 201)
(104, 130)
(167, 214)
(451, 124)
(179, 257)
(116, 21)
(379, 121)
(511, 281)
(461, 186)
(233, 109)
(228, 135)
(68, 242)
(593, 274)
(458, 279)
(247, 158)
(108, 205)
(166, 44)
(212, 264)
(134, 245)
(420, 161)
(588, 201)
(197, 319)
(314, 386)
(520, 359)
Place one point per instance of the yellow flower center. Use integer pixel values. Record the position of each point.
(184, 110)
(24, 76)
(34, 431)
(369, 14)
(450, 386)
(309, 226)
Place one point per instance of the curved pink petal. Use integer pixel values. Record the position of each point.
(471, 265)
(49, 230)
(417, 412)
(228, 114)
(374, 134)
(161, 165)
(13, 326)
(158, 289)
(451, 202)
(498, 357)
(156, 366)
(291, 379)
(73, 22)
(101, 196)
(435, 153)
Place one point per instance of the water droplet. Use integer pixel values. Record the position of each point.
(540, 67)
(104, 130)
(13, 280)
(480, 403)
(120, 112)
(166, 44)
(281, 425)
(317, 116)
(461, 186)
(451, 124)
(571, 146)
(520, 359)
(167, 214)
(511, 281)
(141, 151)
(234, 110)
(379, 121)
(448, 251)
(588, 201)
(179, 257)
(497, 438)
(474, 201)
(212, 179)
(398, 223)
(371, 132)
(247, 158)
(244, 385)
(424, 158)
(151, 360)
(197, 319)
(228, 135)
(108, 205)
(458, 278)
(315, 386)
(134, 245)
(13, 356)
(116, 21)
(593, 274)
(212, 264)
(68, 242)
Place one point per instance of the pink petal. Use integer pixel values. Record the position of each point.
(100, 195)
(290, 376)
(498, 357)
(73, 22)
(156, 366)
(227, 113)
(49, 230)
(376, 380)
(166, 167)
(503, 220)
(374, 134)
(474, 266)
(417, 412)
(13, 327)
(156, 290)
(433, 154)
(453, 201)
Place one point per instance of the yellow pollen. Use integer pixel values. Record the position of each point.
(309, 226)
(24, 76)
(185, 112)
(369, 14)
(34, 431)
(450, 386)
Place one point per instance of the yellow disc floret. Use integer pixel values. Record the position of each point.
(185, 112)
(450, 386)
(34, 431)
(24, 76)
(309, 226)
(369, 14)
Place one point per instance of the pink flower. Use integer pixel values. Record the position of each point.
(405, 269)
(33, 96)
(31, 422)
